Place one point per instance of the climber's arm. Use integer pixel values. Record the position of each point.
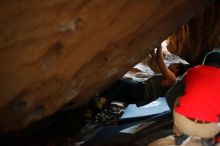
(169, 76)
(152, 62)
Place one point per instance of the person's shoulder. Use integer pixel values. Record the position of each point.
(192, 69)
(199, 68)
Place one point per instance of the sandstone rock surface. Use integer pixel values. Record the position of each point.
(55, 52)
(198, 36)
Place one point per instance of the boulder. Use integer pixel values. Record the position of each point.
(198, 36)
(54, 53)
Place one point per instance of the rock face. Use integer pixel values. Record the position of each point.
(57, 52)
(200, 35)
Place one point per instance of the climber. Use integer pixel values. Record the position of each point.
(141, 93)
(195, 99)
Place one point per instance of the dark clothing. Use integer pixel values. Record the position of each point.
(139, 93)
(177, 90)
(153, 89)
(125, 91)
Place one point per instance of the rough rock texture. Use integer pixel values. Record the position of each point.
(63, 51)
(200, 35)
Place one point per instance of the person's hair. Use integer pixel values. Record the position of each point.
(212, 58)
(182, 68)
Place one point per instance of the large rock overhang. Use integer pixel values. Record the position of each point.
(61, 51)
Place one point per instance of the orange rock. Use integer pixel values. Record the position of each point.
(57, 52)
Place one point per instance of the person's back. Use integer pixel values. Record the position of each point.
(195, 100)
(202, 82)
